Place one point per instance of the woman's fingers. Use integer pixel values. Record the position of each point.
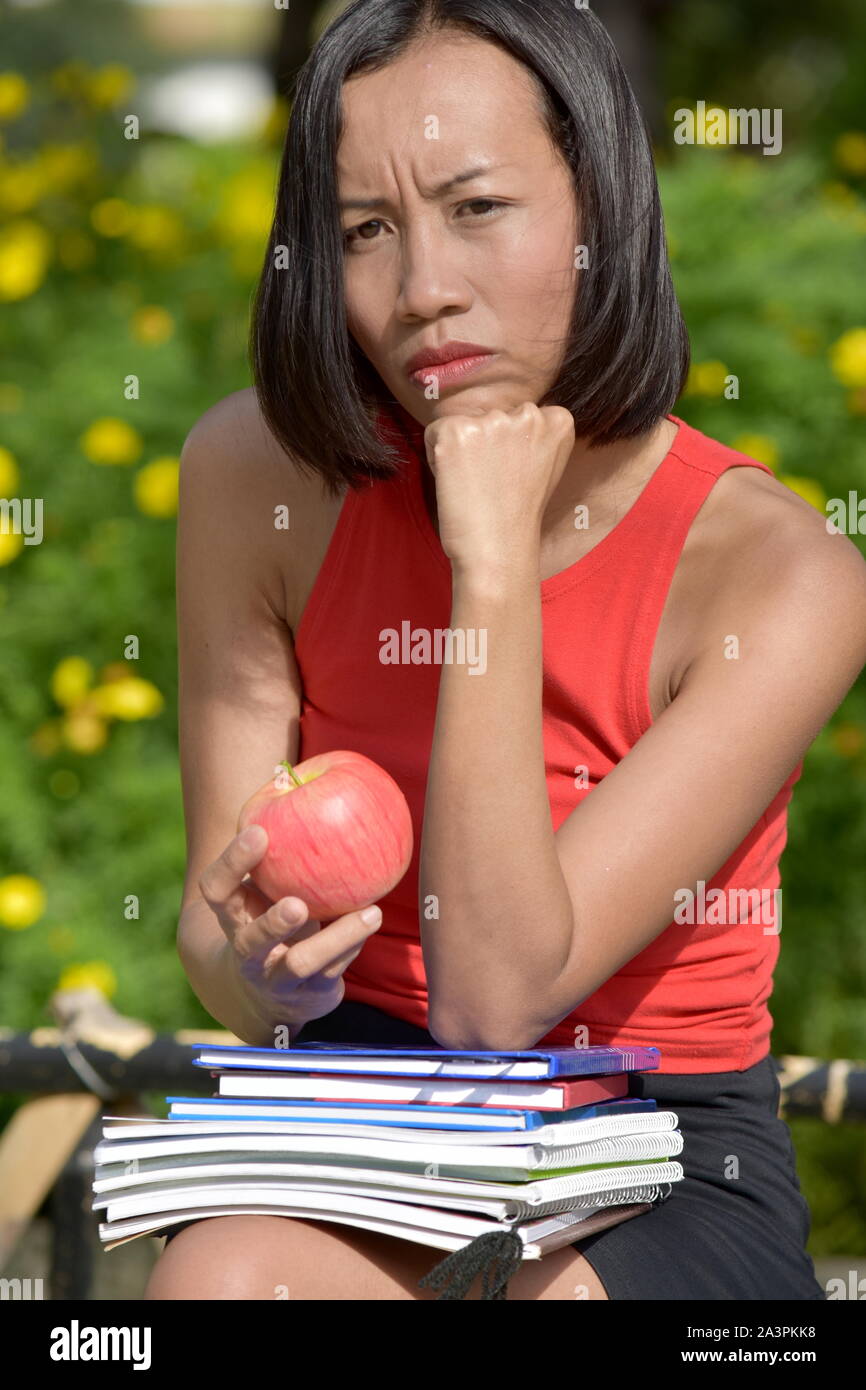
(321, 952)
(335, 970)
(221, 883)
(281, 947)
(251, 922)
(255, 939)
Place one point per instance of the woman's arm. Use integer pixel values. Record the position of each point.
(530, 921)
(502, 929)
(211, 968)
(239, 688)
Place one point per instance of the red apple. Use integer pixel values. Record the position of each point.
(339, 833)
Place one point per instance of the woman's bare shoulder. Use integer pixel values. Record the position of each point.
(763, 548)
(234, 435)
(242, 482)
(752, 525)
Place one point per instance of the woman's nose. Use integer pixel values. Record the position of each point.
(431, 277)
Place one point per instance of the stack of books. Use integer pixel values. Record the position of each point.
(434, 1146)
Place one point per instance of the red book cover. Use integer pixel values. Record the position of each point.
(512, 1095)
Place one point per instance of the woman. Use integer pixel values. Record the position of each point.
(638, 613)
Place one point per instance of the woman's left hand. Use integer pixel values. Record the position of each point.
(495, 474)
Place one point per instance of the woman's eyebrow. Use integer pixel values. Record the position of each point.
(365, 203)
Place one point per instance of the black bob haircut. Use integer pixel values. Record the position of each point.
(626, 356)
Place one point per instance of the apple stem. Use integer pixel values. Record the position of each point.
(297, 781)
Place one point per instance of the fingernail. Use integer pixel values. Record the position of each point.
(252, 837)
(371, 916)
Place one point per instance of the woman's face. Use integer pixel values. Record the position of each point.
(488, 261)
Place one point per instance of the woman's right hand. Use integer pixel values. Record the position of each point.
(289, 965)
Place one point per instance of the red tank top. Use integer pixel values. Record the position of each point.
(699, 993)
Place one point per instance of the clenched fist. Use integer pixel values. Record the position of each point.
(495, 474)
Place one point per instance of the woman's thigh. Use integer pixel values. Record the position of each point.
(279, 1257)
(737, 1224)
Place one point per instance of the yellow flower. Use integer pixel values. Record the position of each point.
(152, 324)
(808, 489)
(110, 440)
(109, 84)
(11, 545)
(14, 95)
(46, 739)
(157, 229)
(112, 217)
(247, 204)
(706, 378)
(22, 184)
(758, 446)
(65, 166)
(70, 680)
(155, 487)
(9, 475)
(848, 357)
(25, 249)
(93, 974)
(22, 901)
(83, 731)
(850, 152)
(129, 698)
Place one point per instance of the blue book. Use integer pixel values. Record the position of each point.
(434, 1062)
(407, 1116)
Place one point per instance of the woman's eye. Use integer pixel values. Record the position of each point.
(357, 233)
(348, 235)
(482, 202)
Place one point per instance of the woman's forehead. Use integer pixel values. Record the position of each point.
(460, 81)
(441, 120)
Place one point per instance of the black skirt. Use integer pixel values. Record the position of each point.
(735, 1227)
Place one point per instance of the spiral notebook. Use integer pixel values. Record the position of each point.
(448, 1149)
(538, 1237)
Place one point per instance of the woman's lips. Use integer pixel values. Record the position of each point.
(446, 372)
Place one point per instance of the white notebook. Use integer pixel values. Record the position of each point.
(641, 1179)
(498, 1162)
(500, 1199)
(552, 1135)
(444, 1230)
